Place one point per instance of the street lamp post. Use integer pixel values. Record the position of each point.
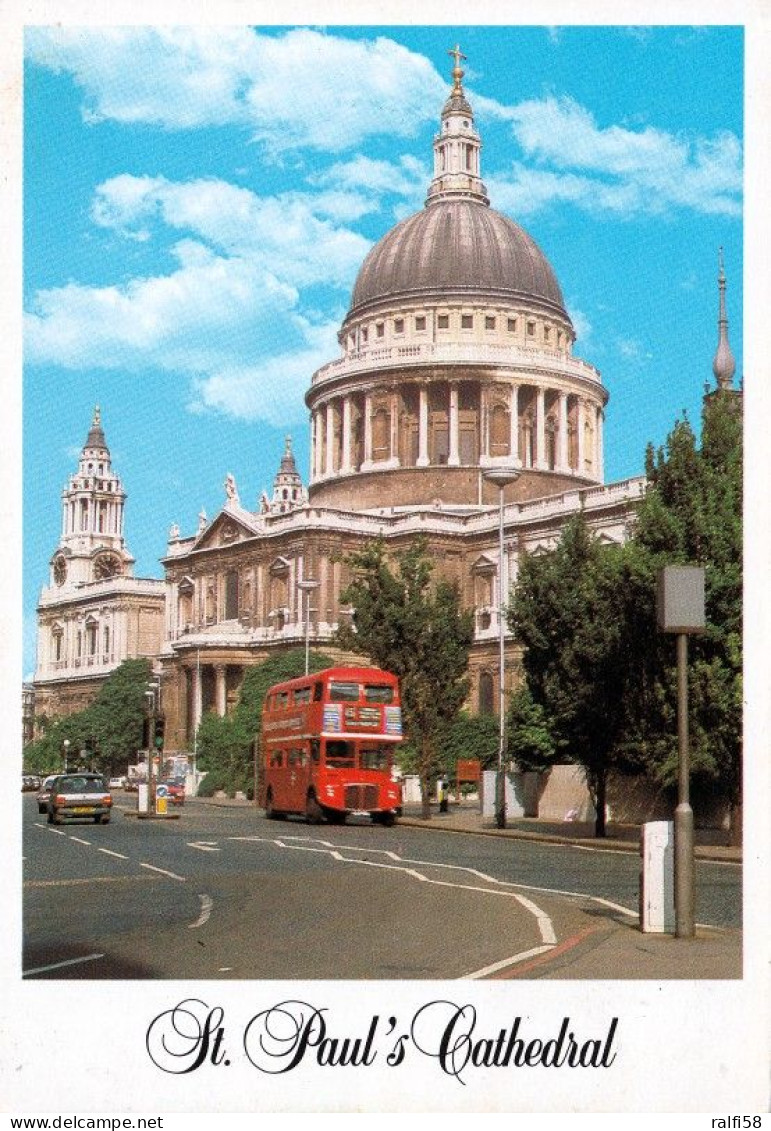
(307, 586)
(501, 477)
(66, 745)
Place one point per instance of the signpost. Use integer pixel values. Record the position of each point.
(680, 610)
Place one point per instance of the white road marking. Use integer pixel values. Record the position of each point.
(58, 965)
(171, 875)
(80, 840)
(487, 970)
(204, 845)
(307, 844)
(615, 906)
(206, 907)
(109, 852)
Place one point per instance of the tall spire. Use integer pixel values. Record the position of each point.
(724, 365)
(457, 146)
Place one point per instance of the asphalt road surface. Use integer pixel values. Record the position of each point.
(224, 893)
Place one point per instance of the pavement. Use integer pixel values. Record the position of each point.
(612, 946)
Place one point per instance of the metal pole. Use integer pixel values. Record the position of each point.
(500, 785)
(684, 901)
(307, 629)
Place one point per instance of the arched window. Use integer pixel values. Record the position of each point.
(486, 694)
(231, 595)
(381, 434)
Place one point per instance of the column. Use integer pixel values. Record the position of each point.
(600, 442)
(422, 460)
(317, 445)
(453, 459)
(220, 675)
(197, 683)
(580, 428)
(540, 428)
(394, 453)
(346, 466)
(367, 429)
(514, 426)
(330, 430)
(484, 424)
(562, 449)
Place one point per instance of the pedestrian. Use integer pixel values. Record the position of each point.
(444, 794)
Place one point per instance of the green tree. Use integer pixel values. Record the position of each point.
(567, 612)
(693, 514)
(109, 729)
(530, 742)
(414, 627)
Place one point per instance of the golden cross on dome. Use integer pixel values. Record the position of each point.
(457, 73)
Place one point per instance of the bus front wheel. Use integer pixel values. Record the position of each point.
(313, 811)
(386, 818)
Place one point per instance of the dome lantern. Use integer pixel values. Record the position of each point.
(457, 147)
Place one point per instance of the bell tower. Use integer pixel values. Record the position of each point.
(91, 546)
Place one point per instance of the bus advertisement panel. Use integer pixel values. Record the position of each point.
(327, 746)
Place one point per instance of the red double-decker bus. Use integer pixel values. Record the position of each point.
(327, 746)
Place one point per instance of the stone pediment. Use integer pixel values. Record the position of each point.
(227, 529)
(483, 564)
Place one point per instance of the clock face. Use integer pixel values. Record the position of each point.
(108, 565)
(60, 571)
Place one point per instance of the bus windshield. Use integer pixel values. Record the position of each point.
(374, 757)
(340, 754)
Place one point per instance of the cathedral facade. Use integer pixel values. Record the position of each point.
(456, 362)
(456, 365)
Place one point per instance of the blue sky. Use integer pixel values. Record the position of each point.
(198, 200)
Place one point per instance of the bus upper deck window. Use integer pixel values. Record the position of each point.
(340, 692)
(378, 693)
(318, 691)
(302, 695)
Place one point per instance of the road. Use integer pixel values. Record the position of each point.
(224, 893)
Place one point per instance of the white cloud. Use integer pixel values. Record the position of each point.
(300, 89)
(291, 235)
(613, 169)
(225, 323)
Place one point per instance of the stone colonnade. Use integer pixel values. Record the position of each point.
(455, 423)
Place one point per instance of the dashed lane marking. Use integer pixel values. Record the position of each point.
(109, 852)
(79, 839)
(204, 845)
(163, 872)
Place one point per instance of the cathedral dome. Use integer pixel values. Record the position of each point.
(460, 246)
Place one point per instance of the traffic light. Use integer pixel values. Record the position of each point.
(160, 725)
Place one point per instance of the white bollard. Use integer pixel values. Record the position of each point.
(657, 877)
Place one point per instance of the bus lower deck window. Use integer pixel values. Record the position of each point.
(374, 758)
(340, 754)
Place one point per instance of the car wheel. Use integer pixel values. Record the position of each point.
(105, 819)
(41, 809)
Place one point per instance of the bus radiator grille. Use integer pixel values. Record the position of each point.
(361, 797)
